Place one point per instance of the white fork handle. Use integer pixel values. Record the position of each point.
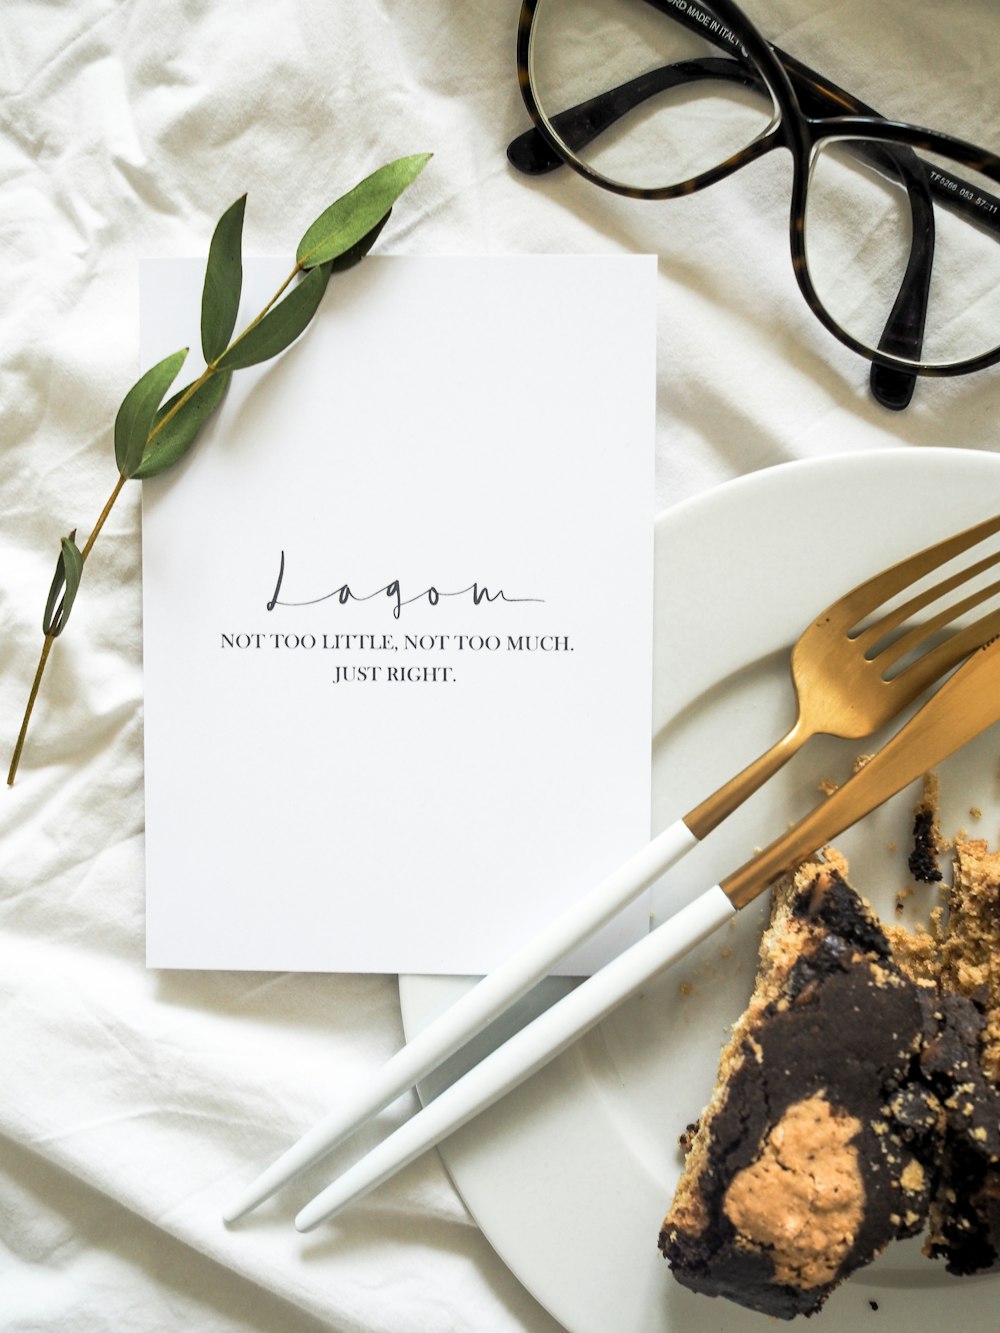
(524, 1053)
(474, 1011)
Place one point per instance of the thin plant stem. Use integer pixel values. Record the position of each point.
(274, 300)
(104, 513)
(257, 318)
(46, 649)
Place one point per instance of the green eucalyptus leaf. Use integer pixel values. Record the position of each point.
(356, 213)
(357, 252)
(65, 584)
(135, 416)
(280, 326)
(220, 297)
(168, 444)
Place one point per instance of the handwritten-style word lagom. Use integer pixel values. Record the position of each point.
(393, 592)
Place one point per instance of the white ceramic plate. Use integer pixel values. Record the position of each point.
(570, 1175)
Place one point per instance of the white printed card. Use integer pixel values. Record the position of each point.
(398, 619)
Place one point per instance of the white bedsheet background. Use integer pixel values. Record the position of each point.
(131, 1103)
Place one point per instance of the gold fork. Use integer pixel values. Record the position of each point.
(841, 669)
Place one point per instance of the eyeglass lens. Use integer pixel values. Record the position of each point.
(869, 207)
(676, 100)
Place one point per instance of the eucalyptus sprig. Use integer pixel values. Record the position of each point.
(150, 435)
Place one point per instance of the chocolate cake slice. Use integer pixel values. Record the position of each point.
(857, 1100)
(822, 1140)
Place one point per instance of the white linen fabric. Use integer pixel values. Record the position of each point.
(133, 1104)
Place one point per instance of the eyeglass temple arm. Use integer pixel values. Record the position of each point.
(904, 329)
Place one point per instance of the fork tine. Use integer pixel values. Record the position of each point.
(869, 637)
(871, 594)
(908, 642)
(929, 668)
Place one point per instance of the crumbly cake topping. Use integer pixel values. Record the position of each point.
(803, 1197)
(916, 950)
(969, 962)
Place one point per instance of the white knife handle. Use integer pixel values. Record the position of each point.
(524, 1053)
(474, 1011)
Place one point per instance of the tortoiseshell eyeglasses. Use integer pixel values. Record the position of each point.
(895, 230)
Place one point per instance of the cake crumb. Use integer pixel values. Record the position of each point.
(927, 842)
(836, 860)
(686, 1137)
(913, 1177)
